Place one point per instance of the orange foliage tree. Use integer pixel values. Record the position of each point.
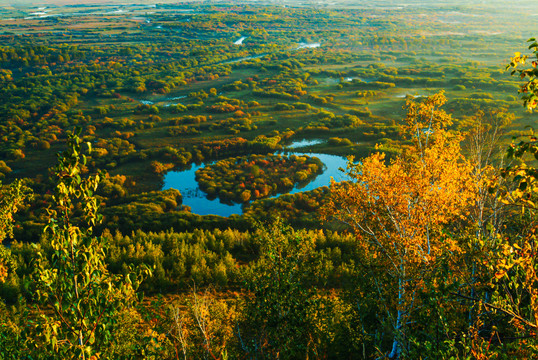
(399, 209)
(514, 263)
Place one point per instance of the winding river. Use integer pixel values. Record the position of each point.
(196, 199)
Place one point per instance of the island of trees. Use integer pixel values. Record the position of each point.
(246, 178)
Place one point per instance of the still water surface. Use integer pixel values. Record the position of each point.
(185, 182)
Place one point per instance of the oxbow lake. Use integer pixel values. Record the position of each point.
(196, 199)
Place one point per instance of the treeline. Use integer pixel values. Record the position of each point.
(180, 259)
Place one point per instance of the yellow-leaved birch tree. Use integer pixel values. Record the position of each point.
(398, 209)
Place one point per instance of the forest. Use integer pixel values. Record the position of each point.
(260, 180)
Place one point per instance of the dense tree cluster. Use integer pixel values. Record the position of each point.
(243, 179)
(300, 209)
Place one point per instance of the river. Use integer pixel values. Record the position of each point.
(185, 182)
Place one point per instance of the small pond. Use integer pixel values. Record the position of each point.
(365, 80)
(304, 143)
(307, 46)
(185, 182)
(240, 40)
